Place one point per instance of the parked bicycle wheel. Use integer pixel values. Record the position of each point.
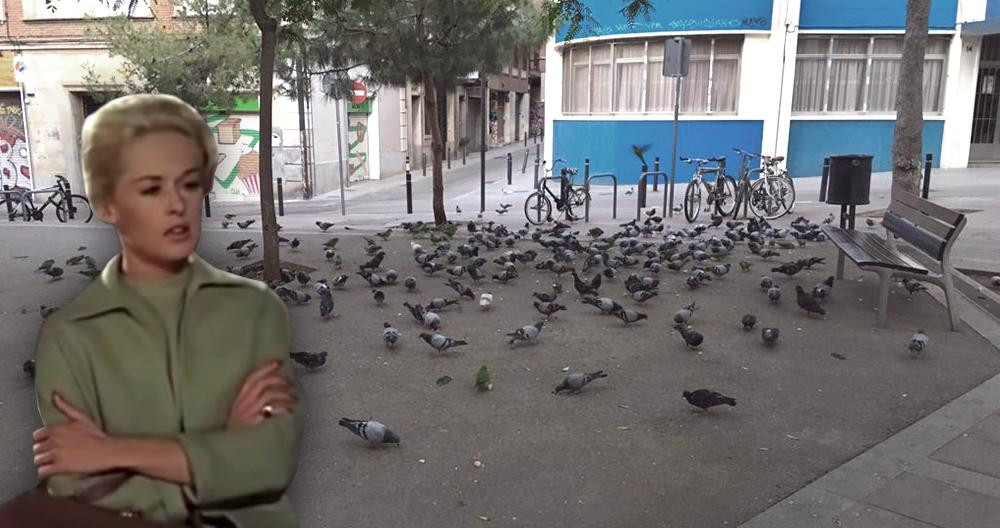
(771, 198)
(692, 201)
(578, 197)
(538, 208)
(725, 196)
(82, 213)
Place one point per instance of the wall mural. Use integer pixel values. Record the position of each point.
(237, 137)
(15, 169)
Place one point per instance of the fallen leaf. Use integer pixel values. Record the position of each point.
(443, 380)
(792, 437)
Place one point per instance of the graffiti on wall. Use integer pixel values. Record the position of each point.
(237, 138)
(15, 169)
(357, 147)
(537, 118)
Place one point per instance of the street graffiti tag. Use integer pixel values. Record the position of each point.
(15, 170)
(357, 149)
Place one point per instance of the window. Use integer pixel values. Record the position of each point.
(627, 77)
(860, 74)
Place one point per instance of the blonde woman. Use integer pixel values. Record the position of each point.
(164, 387)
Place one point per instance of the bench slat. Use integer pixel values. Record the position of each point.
(910, 232)
(866, 249)
(930, 223)
(926, 206)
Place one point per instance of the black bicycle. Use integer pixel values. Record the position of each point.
(538, 205)
(720, 194)
(70, 208)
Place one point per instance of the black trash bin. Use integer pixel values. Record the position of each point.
(847, 182)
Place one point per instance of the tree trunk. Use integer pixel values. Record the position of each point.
(300, 81)
(437, 146)
(268, 35)
(907, 139)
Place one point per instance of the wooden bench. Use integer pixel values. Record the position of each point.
(926, 226)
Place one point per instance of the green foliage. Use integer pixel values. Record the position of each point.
(576, 14)
(212, 58)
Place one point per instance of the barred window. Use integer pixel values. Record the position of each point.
(627, 77)
(860, 74)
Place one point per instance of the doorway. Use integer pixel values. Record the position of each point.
(985, 146)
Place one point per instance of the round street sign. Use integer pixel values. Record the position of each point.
(359, 93)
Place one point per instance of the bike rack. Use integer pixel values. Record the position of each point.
(643, 182)
(614, 195)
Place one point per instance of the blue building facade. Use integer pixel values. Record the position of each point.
(801, 78)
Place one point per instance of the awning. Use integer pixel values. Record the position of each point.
(982, 27)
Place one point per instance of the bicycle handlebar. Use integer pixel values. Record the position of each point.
(702, 161)
(747, 153)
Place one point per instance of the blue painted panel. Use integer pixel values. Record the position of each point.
(811, 141)
(608, 144)
(869, 14)
(992, 9)
(674, 15)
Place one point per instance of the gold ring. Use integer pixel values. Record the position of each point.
(267, 411)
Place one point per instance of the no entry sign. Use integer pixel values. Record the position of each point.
(359, 93)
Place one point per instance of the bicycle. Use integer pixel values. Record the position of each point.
(70, 208)
(721, 193)
(773, 194)
(538, 206)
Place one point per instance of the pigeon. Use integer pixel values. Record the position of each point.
(384, 235)
(913, 286)
(379, 296)
(229, 216)
(485, 301)
(438, 303)
(684, 314)
(995, 281)
(585, 287)
(245, 252)
(325, 299)
(545, 297)
(525, 333)
(432, 320)
(575, 381)
(748, 322)
(439, 342)
(303, 278)
(237, 244)
(822, 289)
(90, 272)
(788, 268)
(768, 253)
(807, 302)
(483, 380)
(295, 244)
(323, 226)
(46, 265)
(329, 253)
(774, 293)
(643, 295)
(374, 432)
(410, 283)
(631, 316)
(462, 290)
(332, 243)
(766, 283)
(869, 222)
(29, 368)
(73, 261)
(416, 311)
(705, 399)
(245, 223)
(548, 308)
(769, 335)
(745, 265)
(226, 224)
(55, 272)
(340, 280)
(606, 305)
(46, 311)
(692, 338)
(309, 360)
(918, 343)
(721, 269)
(390, 335)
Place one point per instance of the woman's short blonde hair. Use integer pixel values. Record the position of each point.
(110, 128)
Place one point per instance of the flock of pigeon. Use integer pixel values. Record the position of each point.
(633, 252)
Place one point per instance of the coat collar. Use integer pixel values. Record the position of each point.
(110, 292)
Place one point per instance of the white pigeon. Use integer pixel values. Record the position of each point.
(390, 335)
(374, 432)
(485, 301)
(918, 343)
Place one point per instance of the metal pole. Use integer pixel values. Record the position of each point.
(340, 155)
(423, 163)
(10, 207)
(464, 149)
(526, 139)
(673, 150)
(281, 197)
(409, 188)
(208, 208)
(448, 153)
(656, 168)
(927, 177)
(586, 186)
(538, 159)
(510, 169)
(484, 96)
(524, 167)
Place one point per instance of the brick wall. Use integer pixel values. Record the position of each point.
(41, 31)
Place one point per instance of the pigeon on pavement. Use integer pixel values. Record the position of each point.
(374, 432)
(822, 289)
(705, 399)
(807, 302)
(575, 381)
(692, 338)
(390, 335)
(309, 360)
(525, 333)
(748, 322)
(918, 343)
(439, 342)
(769, 335)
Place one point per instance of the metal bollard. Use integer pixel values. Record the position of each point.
(409, 188)
(10, 207)
(69, 200)
(536, 173)
(423, 163)
(927, 176)
(656, 168)
(586, 187)
(526, 139)
(642, 191)
(465, 149)
(510, 168)
(208, 207)
(524, 167)
(447, 153)
(281, 199)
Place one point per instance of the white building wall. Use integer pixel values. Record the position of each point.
(960, 90)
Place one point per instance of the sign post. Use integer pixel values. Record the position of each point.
(676, 56)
